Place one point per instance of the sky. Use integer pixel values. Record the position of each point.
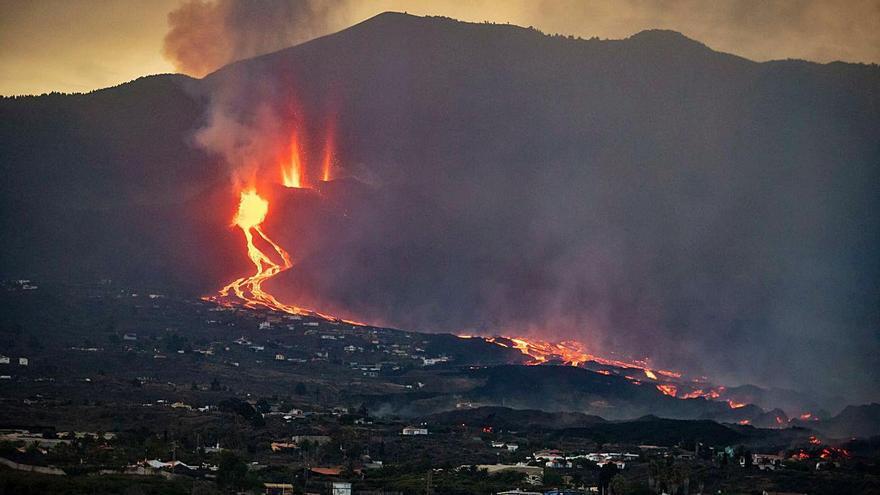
(81, 45)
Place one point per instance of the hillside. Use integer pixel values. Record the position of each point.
(635, 194)
(502, 418)
(853, 421)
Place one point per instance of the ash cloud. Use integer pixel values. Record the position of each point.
(249, 121)
(205, 35)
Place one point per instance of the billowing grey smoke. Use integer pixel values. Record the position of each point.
(205, 35)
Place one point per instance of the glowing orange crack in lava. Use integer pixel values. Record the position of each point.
(570, 352)
(575, 353)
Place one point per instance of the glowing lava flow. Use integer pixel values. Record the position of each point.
(570, 352)
(252, 210)
(573, 353)
(668, 389)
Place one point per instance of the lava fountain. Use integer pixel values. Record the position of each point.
(292, 172)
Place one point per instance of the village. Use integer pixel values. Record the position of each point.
(139, 385)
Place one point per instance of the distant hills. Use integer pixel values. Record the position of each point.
(507, 418)
(566, 397)
(648, 194)
(556, 397)
(853, 421)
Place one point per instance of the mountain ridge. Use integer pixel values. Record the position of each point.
(666, 37)
(591, 190)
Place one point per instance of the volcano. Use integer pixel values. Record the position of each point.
(648, 196)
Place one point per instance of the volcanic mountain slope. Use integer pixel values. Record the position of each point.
(636, 194)
(789, 400)
(507, 418)
(566, 388)
(658, 431)
(650, 429)
(99, 186)
(503, 394)
(853, 421)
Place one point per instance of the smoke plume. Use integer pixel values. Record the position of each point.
(206, 35)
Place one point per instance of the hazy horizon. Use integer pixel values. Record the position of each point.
(73, 47)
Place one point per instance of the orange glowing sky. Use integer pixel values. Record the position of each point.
(80, 45)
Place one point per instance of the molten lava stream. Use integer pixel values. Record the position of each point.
(252, 210)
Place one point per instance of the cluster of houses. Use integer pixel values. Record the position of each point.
(6, 360)
(373, 340)
(22, 284)
(534, 474)
(410, 431)
(168, 469)
(510, 447)
(38, 439)
(333, 487)
(377, 350)
(298, 441)
(549, 458)
(766, 462)
(22, 361)
(557, 459)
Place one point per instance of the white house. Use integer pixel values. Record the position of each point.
(769, 462)
(412, 430)
(340, 488)
(157, 464)
(548, 455)
(558, 464)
